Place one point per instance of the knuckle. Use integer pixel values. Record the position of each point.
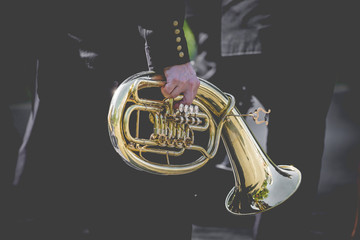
(197, 82)
(189, 81)
(194, 85)
(175, 81)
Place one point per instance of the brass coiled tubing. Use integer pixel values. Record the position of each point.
(259, 184)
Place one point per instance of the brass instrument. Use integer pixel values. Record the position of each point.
(259, 184)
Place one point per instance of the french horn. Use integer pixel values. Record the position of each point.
(170, 139)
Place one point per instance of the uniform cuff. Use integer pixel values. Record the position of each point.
(165, 47)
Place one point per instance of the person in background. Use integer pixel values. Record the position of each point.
(283, 53)
(75, 186)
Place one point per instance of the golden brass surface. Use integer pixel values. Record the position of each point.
(259, 184)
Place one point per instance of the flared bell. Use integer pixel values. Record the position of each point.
(259, 184)
(282, 183)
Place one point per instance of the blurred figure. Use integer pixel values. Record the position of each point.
(283, 53)
(75, 186)
(10, 143)
(14, 83)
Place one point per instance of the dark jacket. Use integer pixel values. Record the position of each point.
(89, 46)
(162, 29)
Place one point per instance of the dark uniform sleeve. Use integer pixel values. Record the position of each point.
(161, 25)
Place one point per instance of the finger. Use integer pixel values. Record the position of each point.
(183, 101)
(158, 77)
(176, 105)
(162, 83)
(188, 98)
(168, 89)
(176, 92)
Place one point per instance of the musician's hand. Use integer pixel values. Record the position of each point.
(181, 79)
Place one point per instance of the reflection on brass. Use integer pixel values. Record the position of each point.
(259, 184)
